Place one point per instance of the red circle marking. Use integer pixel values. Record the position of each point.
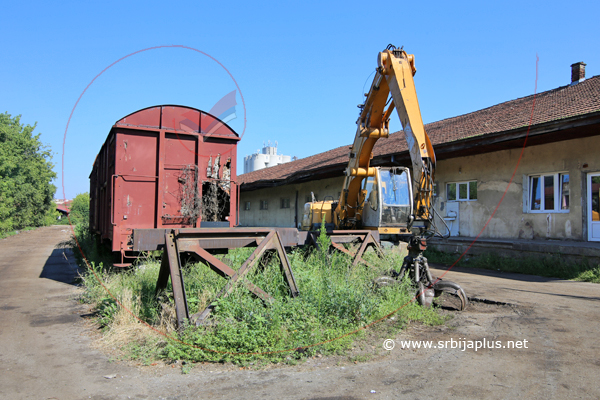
(123, 58)
(364, 327)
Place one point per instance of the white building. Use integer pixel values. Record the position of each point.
(267, 158)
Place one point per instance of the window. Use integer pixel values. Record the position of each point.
(247, 206)
(461, 191)
(264, 205)
(394, 187)
(548, 192)
(285, 203)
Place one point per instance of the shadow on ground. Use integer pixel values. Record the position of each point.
(61, 267)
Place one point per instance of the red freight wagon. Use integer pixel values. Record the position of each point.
(163, 167)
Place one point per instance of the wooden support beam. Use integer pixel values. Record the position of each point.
(198, 318)
(170, 266)
(286, 268)
(367, 239)
(225, 271)
(361, 249)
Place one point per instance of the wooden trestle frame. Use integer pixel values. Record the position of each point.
(190, 242)
(196, 241)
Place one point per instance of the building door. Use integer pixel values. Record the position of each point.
(593, 200)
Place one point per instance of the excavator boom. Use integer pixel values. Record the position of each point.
(392, 200)
(392, 88)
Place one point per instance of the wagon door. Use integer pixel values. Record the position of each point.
(134, 183)
(180, 190)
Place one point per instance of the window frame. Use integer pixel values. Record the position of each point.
(457, 190)
(247, 206)
(284, 202)
(264, 204)
(557, 193)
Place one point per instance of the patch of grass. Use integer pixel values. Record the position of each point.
(133, 289)
(88, 246)
(553, 266)
(145, 351)
(360, 358)
(4, 235)
(186, 369)
(335, 299)
(589, 275)
(440, 257)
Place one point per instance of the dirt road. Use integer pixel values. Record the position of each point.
(46, 353)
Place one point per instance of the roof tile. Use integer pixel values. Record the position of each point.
(560, 103)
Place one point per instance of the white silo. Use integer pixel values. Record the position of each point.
(268, 157)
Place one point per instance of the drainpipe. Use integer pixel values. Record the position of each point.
(296, 211)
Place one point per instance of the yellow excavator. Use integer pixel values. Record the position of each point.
(391, 200)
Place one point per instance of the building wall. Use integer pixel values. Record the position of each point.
(276, 216)
(492, 171)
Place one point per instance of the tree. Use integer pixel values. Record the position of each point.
(26, 174)
(80, 209)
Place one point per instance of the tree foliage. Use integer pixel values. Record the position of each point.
(26, 174)
(80, 209)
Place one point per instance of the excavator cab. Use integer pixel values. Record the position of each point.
(388, 204)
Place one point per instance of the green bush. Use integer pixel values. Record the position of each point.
(80, 210)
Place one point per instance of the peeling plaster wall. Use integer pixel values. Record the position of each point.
(284, 217)
(493, 171)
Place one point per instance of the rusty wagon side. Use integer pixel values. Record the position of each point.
(165, 166)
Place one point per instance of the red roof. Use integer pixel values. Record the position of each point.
(64, 208)
(556, 104)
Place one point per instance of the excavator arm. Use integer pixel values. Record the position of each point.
(392, 200)
(392, 88)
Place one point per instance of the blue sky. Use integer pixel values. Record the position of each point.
(301, 67)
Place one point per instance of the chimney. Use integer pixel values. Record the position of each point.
(577, 72)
